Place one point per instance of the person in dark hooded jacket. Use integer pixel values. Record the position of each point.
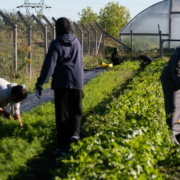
(146, 60)
(170, 79)
(64, 62)
(115, 58)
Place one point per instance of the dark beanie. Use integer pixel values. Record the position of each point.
(115, 49)
(63, 26)
(141, 57)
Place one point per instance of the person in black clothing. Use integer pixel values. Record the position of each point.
(170, 79)
(64, 63)
(115, 58)
(146, 60)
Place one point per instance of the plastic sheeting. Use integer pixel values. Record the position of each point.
(145, 43)
(175, 31)
(175, 5)
(147, 22)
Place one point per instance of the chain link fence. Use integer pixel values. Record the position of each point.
(24, 42)
(6, 50)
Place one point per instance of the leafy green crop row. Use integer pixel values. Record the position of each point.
(17, 146)
(126, 137)
(100, 87)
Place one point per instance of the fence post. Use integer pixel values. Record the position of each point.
(103, 38)
(45, 33)
(131, 41)
(95, 38)
(170, 23)
(160, 41)
(111, 36)
(29, 44)
(81, 32)
(161, 52)
(45, 41)
(15, 48)
(14, 38)
(29, 34)
(54, 19)
(102, 35)
(88, 38)
(120, 37)
(99, 43)
(55, 24)
(72, 31)
(51, 26)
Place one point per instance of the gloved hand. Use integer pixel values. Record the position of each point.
(38, 92)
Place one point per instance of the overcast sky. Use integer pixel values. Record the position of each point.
(70, 8)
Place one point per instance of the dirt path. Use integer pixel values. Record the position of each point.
(48, 94)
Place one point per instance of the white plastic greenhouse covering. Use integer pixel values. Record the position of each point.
(145, 28)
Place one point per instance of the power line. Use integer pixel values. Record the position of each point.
(40, 6)
(62, 12)
(59, 14)
(95, 2)
(63, 9)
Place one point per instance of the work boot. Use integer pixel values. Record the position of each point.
(61, 152)
(75, 138)
(175, 140)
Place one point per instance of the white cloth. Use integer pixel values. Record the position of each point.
(5, 96)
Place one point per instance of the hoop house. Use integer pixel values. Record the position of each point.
(145, 30)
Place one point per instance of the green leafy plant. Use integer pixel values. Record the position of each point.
(127, 136)
(20, 145)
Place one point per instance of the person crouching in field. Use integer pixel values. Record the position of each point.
(170, 79)
(115, 57)
(146, 60)
(64, 63)
(11, 94)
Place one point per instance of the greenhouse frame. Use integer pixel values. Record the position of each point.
(156, 27)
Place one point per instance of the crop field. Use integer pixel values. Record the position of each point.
(124, 133)
(127, 138)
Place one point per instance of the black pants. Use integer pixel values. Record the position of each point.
(172, 107)
(117, 62)
(68, 108)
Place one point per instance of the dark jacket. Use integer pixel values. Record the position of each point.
(64, 63)
(171, 73)
(148, 59)
(115, 58)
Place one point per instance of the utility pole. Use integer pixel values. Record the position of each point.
(37, 6)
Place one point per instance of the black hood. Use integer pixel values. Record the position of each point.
(68, 39)
(115, 50)
(63, 26)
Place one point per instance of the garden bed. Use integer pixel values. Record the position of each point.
(19, 147)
